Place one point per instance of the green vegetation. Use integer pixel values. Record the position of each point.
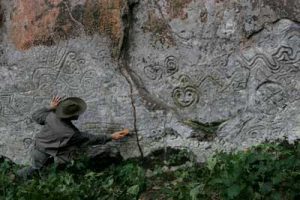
(268, 171)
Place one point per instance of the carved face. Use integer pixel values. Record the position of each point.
(157, 71)
(184, 97)
(153, 72)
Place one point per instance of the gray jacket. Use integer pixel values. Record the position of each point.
(59, 137)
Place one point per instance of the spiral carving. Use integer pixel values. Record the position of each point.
(157, 71)
(171, 65)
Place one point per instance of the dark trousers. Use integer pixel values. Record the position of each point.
(104, 152)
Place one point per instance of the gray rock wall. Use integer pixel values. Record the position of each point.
(201, 75)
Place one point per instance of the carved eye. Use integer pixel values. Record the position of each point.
(81, 61)
(178, 94)
(189, 94)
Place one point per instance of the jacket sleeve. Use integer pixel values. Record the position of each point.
(84, 138)
(96, 139)
(39, 116)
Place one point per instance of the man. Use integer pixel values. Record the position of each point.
(59, 137)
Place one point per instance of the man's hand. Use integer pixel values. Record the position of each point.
(120, 134)
(54, 102)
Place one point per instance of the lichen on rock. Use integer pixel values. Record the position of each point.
(57, 20)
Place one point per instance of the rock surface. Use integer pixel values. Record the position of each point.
(195, 74)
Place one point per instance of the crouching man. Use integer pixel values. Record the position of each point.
(59, 137)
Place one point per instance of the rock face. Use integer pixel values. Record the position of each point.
(205, 75)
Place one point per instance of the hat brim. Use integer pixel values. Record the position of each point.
(71, 100)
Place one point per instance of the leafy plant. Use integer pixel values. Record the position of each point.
(268, 171)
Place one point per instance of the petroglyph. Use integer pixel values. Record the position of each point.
(271, 98)
(161, 133)
(14, 107)
(185, 94)
(153, 72)
(69, 76)
(27, 142)
(284, 60)
(157, 71)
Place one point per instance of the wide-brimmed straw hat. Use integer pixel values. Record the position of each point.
(70, 107)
